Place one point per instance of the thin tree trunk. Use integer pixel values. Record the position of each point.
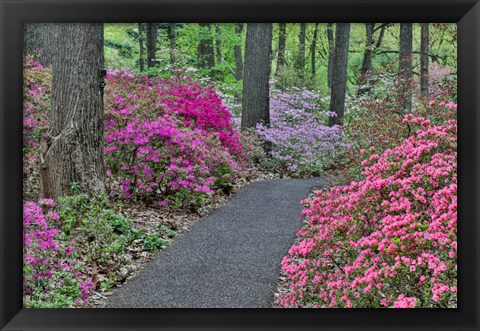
(301, 48)
(238, 53)
(255, 103)
(151, 44)
(206, 56)
(72, 148)
(331, 53)
(141, 60)
(38, 40)
(172, 36)
(339, 75)
(218, 49)
(405, 64)
(367, 60)
(381, 35)
(424, 59)
(282, 34)
(313, 51)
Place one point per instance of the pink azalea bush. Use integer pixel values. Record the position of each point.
(389, 240)
(301, 141)
(437, 78)
(373, 122)
(52, 278)
(168, 140)
(36, 106)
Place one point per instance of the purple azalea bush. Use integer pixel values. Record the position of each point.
(301, 141)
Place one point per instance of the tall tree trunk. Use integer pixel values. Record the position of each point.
(72, 148)
(367, 60)
(339, 75)
(405, 64)
(313, 51)
(282, 35)
(141, 44)
(255, 103)
(172, 36)
(301, 48)
(206, 57)
(218, 50)
(38, 40)
(331, 53)
(238, 53)
(381, 35)
(151, 44)
(424, 48)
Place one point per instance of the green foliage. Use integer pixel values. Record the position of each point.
(166, 231)
(105, 235)
(153, 242)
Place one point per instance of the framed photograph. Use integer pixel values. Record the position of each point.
(178, 165)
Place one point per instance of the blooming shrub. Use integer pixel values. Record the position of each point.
(300, 140)
(438, 78)
(389, 240)
(36, 106)
(373, 122)
(168, 140)
(52, 278)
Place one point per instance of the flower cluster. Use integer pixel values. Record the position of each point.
(50, 278)
(375, 119)
(169, 140)
(389, 240)
(36, 105)
(301, 141)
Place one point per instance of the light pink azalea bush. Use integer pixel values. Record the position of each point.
(52, 277)
(389, 240)
(170, 141)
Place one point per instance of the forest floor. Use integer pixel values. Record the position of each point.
(228, 258)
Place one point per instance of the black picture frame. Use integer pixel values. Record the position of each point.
(13, 13)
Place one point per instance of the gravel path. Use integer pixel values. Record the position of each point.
(230, 258)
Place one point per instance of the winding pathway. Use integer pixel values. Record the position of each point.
(229, 258)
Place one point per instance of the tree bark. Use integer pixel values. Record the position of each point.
(301, 48)
(405, 63)
(151, 44)
(282, 34)
(367, 60)
(339, 75)
(313, 51)
(331, 53)
(141, 44)
(38, 40)
(424, 48)
(172, 36)
(238, 53)
(206, 56)
(72, 148)
(255, 103)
